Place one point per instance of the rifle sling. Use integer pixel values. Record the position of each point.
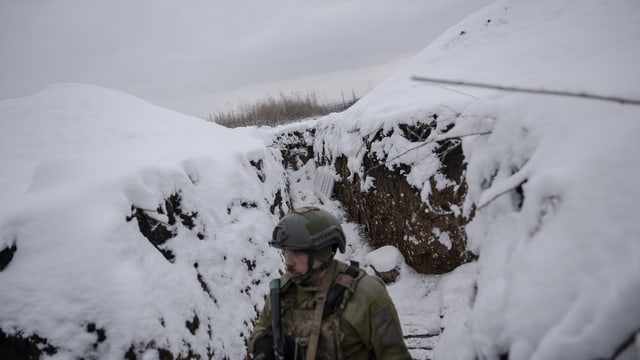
(336, 293)
(276, 327)
(321, 296)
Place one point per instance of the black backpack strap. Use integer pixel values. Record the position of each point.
(335, 295)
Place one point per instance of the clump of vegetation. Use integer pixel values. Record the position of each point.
(275, 111)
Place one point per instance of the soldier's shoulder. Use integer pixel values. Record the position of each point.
(368, 289)
(369, 294)
(364, 279)
(371, 283)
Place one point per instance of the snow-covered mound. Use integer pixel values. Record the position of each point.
(552, 180)
(83, 169)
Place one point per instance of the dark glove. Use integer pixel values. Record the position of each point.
(263, 347)
(293, 349)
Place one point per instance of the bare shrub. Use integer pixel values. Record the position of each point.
(273, 111)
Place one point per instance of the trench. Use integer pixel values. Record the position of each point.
(429, 234)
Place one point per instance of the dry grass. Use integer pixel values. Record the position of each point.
(275, 111)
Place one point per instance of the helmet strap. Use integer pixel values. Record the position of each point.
(311, 270)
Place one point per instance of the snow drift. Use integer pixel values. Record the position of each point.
(551, 180)
(78, 162)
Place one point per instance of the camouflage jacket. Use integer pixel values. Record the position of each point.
(367, 326)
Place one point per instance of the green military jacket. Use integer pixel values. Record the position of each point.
(369, 327)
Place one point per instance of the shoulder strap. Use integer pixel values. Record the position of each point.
(345, 280)
(321, 297)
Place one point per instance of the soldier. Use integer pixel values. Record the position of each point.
(328, 309)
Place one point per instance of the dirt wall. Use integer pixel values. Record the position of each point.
(429, 234)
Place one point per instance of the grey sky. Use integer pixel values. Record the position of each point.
(202, 56)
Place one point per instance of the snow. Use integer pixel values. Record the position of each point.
(80, 157)
(552, 183)
(384, 259)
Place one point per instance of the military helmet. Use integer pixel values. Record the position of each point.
(308, 228)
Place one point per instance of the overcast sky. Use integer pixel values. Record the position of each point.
(204, 56)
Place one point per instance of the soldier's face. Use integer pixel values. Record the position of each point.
(296, 262)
